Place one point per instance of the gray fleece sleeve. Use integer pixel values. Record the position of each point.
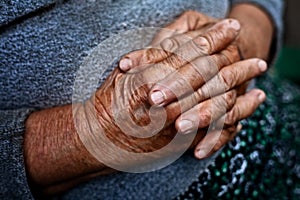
(274, 8)
(13, 181)
(12, 10)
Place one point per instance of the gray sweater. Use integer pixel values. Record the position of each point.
(42, 45)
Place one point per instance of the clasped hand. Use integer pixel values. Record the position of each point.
(198, 78)
(206, 55)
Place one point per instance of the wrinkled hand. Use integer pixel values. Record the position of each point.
(122, 102)
(55, 140)
(197, 69)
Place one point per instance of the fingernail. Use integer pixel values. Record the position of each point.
(235, 24)
(185, 126)
(261, 97)
(125, 64)
(201, 153)
(157, 97)
(262, 65)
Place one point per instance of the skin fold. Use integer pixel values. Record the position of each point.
(55, 155)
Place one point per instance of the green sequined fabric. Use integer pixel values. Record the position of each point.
(263, 161)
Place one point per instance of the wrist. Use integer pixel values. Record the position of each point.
(256, 30)
(52, 148)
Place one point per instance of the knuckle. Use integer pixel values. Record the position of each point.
(228, 77)
(231, 117)
(219, 103)
(204, 117)
(199, 95)
(220, 60)
(216, 36)
(201, 45)
(220, 36)
(195, 75)
(173, 61)
(226, 57)
(230, 98)
(170, 44)
(150, 54)
(209, 67)
(153, 54)
(179, 84)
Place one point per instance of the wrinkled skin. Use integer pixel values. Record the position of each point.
(56, 158)
(128, 93)
(123, 98)
(189, 25)
(95, 117)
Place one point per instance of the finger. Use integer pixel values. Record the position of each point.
(181, 30)
(204, 113)
(245, 106)
(214, 141)
(142, 58)
(191, 76)
(189, 20)
(171, 44)
(232, 76)
(194, 73)
(215, 39)
(155, 54)
(131, 59)
(210, 110)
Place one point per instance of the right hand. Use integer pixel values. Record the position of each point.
(172, 45)
(123, 98)
(56, 139)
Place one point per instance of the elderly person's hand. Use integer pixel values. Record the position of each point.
(196, 70)
(254, 39)
(57, 139)
(118, 118)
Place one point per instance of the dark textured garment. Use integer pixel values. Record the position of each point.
(42, 45)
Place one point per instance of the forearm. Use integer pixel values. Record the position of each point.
(53, 150)
(256, 32)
